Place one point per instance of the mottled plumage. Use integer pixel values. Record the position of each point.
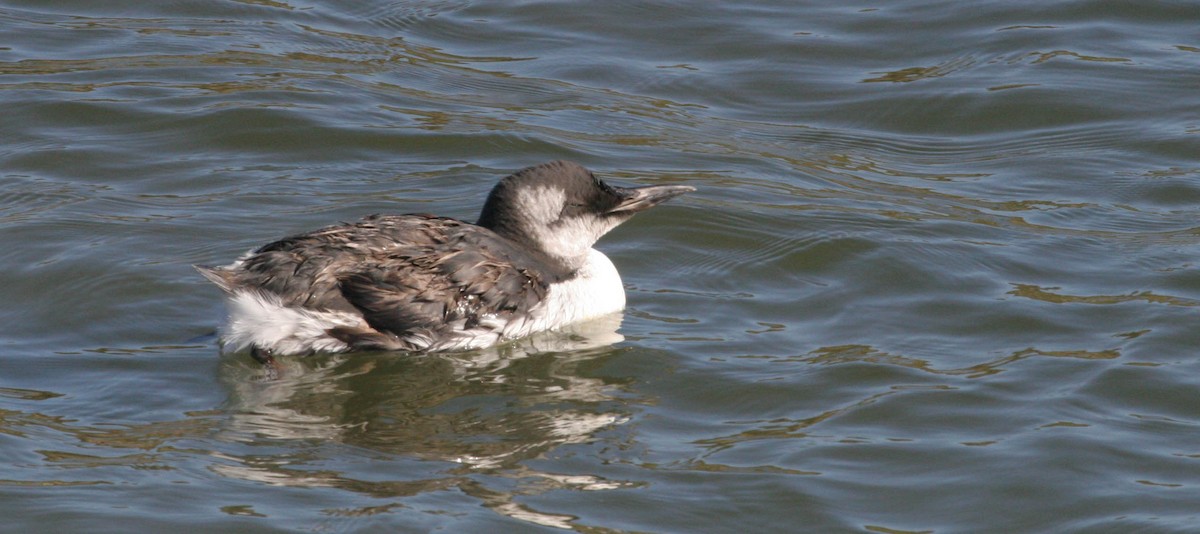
(420, 282)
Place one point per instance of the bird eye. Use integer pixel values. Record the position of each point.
(571, 208)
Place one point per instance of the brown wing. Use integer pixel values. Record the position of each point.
(410, 276)
(431, 294)
(305, 270)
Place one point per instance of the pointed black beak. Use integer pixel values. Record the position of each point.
(635, 199)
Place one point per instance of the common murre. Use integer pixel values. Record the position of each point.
(424, 283)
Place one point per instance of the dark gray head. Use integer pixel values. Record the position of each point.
(561, 208)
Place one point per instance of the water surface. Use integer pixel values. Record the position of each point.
(939, 274)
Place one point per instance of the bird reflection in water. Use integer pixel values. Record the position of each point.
(441, 421)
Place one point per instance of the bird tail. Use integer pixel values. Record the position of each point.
(221, 277)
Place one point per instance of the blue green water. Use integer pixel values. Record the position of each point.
(940, 273)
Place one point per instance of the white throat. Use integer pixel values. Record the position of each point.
(568, 239)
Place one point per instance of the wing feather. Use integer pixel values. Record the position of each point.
(417, 280)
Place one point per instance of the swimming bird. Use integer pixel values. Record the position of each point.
(419, 282)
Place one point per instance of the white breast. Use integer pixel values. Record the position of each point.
(595, 290)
